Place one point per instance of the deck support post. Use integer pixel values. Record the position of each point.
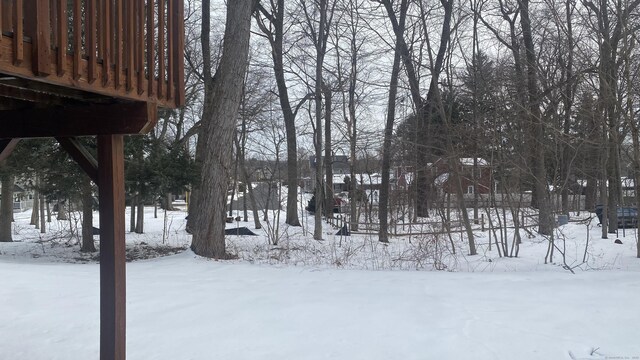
(112, 247)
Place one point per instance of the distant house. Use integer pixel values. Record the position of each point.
(403, 177)
(443, 176)
(22, 199)
(628, 186)
(340, 166)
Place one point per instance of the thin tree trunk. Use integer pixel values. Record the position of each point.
(35, 211)
(320, 42)
(383, 205)
(42, 222)
(328, 156)
(140, 216)
(132, 217)
(276, 35)
(545, 222)
(6, 205)
(87, 217)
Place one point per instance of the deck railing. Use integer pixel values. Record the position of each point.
(131, 49)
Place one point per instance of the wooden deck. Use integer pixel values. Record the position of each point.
(101, 68)
(129, 50)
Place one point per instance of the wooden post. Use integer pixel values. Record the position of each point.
(112, 247)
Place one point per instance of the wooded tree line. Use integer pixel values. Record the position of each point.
(545, 91)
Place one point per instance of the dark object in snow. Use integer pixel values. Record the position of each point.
(241, 231)
(344, 231)
(95, 231)
(617, 241)
(627, 216)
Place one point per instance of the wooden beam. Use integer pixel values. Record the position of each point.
(81, 155)
(112, 247)
(6, 147)
(131, 118)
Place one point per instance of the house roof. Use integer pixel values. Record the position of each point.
(465, 161)
(469, 161)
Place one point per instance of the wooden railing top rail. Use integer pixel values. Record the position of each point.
(129, 49)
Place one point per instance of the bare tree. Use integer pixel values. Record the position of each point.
(383, 214)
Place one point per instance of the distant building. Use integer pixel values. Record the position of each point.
(22, 199)
(340, 166)
(444, 177)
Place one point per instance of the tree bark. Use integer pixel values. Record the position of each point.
(222, 100)
(35, 211)
(140, 215)
(87, 217)
(132, 216)
(6, 205)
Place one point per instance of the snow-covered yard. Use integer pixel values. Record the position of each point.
(295, 301)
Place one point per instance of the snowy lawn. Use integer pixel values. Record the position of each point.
(305, 299)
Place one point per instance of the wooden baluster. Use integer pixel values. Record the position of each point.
(39, 28)
(119, 48)
(151, 64)
(178, 52)
(53, 20)
(6, 16)
(140, 47)
(170, 51)
(105, 41)
(77, 39)
(130, 19)
(90, 34)
(161, 47)
(18, 33)
(62, 36)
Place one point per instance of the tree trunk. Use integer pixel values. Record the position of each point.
(276, 37)
(328, 156)
(353, 136)
(320, 42)
(6, 205)
(87, 217)
(42, 222)
(140, 215)
(545, 222)
(62, 210)
(35, 212)
(132, 217)
(383, 206)
(168, 198)
(221, 105)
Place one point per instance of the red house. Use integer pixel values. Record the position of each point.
(445, 179)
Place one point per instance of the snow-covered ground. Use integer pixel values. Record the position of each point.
(304, 299)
